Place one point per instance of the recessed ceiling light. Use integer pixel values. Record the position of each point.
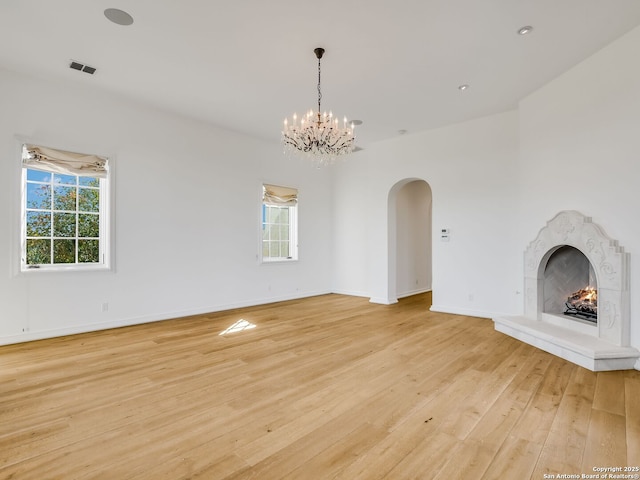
(118, 16)
(464, 87)
(525, 30)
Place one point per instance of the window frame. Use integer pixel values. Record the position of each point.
(293, 232)
(105, 223)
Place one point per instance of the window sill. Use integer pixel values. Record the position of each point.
(279, 261)
(61, 269)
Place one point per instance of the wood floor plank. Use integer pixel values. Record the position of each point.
(565, 443)
(609, 394)
(509, 408)
(477, 403)
(539, 414)
(426, 457)
(517, 459)
(606, 441)
(468, 459)
(632, 418)
(323, 387)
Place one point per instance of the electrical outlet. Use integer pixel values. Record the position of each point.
(105, 306)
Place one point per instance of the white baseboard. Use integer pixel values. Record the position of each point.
(383, 300)
(350, 293)
(413, 292)
(30, 336)
(464, 311)
(391, 301)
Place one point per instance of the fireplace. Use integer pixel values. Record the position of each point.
(571, 259)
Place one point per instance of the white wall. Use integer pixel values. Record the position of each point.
(187, 213)
(580, 150)
(351, 191)
(471, 170)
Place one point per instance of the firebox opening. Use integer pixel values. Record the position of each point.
(570, 286)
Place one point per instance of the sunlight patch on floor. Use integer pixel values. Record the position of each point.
(239, 326)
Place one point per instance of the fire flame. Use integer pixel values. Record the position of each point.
(589, 294)
(584, 302)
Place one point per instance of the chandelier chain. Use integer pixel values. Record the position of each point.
(319, 91)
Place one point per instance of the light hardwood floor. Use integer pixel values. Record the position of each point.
(325, 387)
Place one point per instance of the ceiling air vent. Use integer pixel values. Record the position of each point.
(82, 68)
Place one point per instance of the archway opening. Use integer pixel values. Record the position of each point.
(410, 239)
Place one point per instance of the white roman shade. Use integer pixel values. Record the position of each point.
(276, 195)
(60, 161)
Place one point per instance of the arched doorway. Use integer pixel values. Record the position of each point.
(410, 238)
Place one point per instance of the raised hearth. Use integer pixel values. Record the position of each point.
(598, 346)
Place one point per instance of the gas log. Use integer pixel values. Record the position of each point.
(583, 304)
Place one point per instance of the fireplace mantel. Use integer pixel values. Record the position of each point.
(605, 347)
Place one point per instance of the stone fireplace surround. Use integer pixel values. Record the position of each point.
(600, 347)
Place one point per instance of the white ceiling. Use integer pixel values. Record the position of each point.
(247, 64)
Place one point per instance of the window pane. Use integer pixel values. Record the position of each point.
(88, 200)
(38, 251)
(64, 224)
(284, 249)
(266, 229)
(274, 214)
(64, 251)
(38, 224)
(88, 225)
(64, 198)
(38, 176)
(275, 232)
(284, 232)
(88, 251)
(265, 249)
(284, 215)
(38, 196)
(89, 181)
(60, 179)
(274, 249)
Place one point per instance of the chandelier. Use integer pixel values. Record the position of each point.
(318, 136)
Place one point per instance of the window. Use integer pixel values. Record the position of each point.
(64, 210)
(279, 223)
